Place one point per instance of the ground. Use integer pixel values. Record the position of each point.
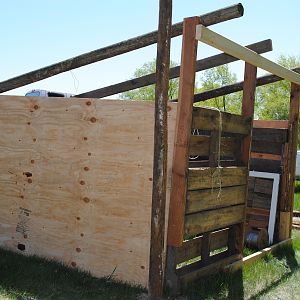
(274, 277)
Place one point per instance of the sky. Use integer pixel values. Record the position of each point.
(35, 34)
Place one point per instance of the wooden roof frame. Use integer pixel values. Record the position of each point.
(226, 45)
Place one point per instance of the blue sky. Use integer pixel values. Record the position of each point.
(38, 33)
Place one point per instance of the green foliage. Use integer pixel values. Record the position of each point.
(215, 78)
(148, 92)
(274, 98)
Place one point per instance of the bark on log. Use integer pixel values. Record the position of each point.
(203, 64)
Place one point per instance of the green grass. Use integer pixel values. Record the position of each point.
(34, 278)
(274, 277)
(297, 196)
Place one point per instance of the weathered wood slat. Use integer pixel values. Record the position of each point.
(201, 200)
(219, 264)
(257, 211)
(270, 135)
(218, 16)
(263, 186)
(206, 178)
(209, 119)
(191, 249)
(214, 219)
(202, 64)
(257, 223)
(266, 156)
(199, 145)
(267, 147)
(265, 165)
(278, 124)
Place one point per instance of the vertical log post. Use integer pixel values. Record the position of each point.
(286, 209)
(247, 112)
(183, 132)
(156, 272)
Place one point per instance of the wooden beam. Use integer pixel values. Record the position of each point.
(237, 87)
(250, 259)
(218, 41)
(247, 112)
(277, 124)
(160, 157)
(218, 16)
(202, 64)
(183, 132)
(292, 148)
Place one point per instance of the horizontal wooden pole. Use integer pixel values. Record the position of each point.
(202, 64)
(218, 41)
(237, 87)
(218, 16)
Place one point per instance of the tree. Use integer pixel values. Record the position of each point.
(218, 77)
(274, 98)
(148, 92)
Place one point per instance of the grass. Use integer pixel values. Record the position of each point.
(297, 196)
(35, 278)
(273, 277)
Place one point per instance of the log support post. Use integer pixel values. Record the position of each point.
(157, 246)
(288, 177)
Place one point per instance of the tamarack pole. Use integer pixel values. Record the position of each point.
(156, 272)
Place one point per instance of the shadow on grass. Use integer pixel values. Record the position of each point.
(35, 278)
(220, 286)
(286, 253)
(231, 285)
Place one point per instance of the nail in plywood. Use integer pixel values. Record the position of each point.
(76, 181)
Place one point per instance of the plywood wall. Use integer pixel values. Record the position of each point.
(76, 181)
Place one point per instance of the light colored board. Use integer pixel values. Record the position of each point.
(213, 219)
(88, 201)
(209, 119)
(250, 259)
(200, 200)
(209, 178)
(192, 248)
(218, 41)
(284, 225)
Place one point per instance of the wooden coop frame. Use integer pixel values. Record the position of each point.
(182, 181)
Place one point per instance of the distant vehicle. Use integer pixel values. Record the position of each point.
(298, 165)
(44, 93)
